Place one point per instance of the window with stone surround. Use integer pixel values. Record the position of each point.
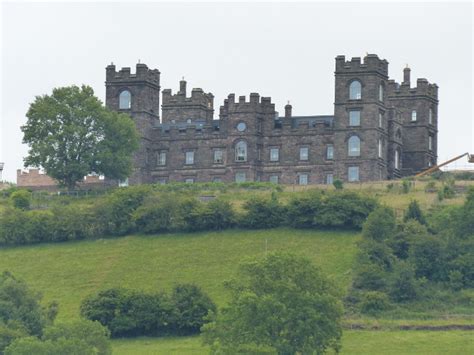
(273, 179)
(355, 90)
(218, 156)
(189, 180)
(353, 173)
(125, 100)
(380, 120)
(354, 118)
(241, 151)
(330, 152)
(397, 159)
(413, 115)
(161, 158)
(430, 116)
(240, 177)
(190, 157)
(303, 179)
(379, 146)
(329, 179)
(381, 92)
(304, 153)
(353, 146)
(274, 154)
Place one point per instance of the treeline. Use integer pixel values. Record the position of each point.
(129, 313)
(141, 209)
(423, 262)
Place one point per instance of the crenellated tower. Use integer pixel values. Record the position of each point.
(137, 94)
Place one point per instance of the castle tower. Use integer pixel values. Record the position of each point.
(138, 95)
(361, 119)
(418, 108)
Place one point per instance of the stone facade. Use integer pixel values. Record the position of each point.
(380, 130)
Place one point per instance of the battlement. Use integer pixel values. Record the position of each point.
(142, 72)
(255, 103)
(423, 87)
(198, 97)
(371, 63)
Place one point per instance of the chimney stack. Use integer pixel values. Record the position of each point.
(288, 108)
(406, 76)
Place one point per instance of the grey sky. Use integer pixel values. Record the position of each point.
(285, 51)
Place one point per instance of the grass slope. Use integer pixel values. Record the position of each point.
(68, 272)
(353, 343)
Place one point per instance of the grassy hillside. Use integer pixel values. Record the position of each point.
(353, 343)
(68, 272)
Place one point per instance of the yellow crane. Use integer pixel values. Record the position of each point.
(436, 167)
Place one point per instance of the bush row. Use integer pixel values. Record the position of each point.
(128, 313)
(143, 210)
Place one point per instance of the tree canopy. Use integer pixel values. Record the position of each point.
(279, 303)
(71, 134)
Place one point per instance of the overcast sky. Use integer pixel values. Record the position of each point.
(285, 51)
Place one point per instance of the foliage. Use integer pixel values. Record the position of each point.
(281, 301)
(262, 213)
(191, 306)
(406, 186)
(374, 302)
(403, 285)
(128, 313)
(213, 215)
(380, 224)
(338, 184)
(21, 199)
(71, 134)
(78, 338)
(414, 212)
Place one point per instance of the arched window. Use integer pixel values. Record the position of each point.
(397, 159)
(241, 151)
(380, 150)
(354, 146)
(355, 90)
(380, 92)
(413, 115)
(125, 100)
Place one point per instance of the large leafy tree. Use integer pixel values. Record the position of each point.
(279, 303)
(71, 134)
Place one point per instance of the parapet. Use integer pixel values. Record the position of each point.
(255, 103)
(198, 97)
(423, 87)
(371, 63)
(142, 72)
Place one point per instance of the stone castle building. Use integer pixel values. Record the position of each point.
(380, 130)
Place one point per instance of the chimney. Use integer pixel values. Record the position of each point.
(406, 76)
(182, 87)
(288, 108)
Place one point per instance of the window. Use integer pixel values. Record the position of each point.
(330, 152)
(274, 179)
(380, 92)
(413, 115)
(355, 90)
(303, 179)
(240, 177)
(430, 116)
(397, 159)
(354, 146)
(430, 142)
(329, 179)
(190, 157)
(123, 183)
(380, 120)
(241, 126)
(125, 100)
(274, 154)
(304, 153)
(189, 180)
(161, 158)
(241, 151)
(354, 118)
(216, 179)
(218, 156)
(162, 181)
(380, 148)
(353, 173)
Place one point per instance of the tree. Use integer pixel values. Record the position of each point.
(414, 212)
(71, 134)
(380, 225)
(280, 302)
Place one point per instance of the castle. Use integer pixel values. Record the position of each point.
(380, 130)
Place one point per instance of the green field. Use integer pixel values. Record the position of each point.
(353, 342)
(68, 272)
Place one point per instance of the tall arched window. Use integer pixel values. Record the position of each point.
(241, 151)
(380, 92)
(380, 149)
(354, 146)
(355, 90)
(125, 100)
(397, 159)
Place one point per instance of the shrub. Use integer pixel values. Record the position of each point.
(191, 306)
(25, 227)
(374, 302)
(407, 233)
(262, 213)
(403, 285)
(213, 215)
(21, 199)
(406, 186)
(301, 210)
(428, 257)
(338, 184)
(414, 212)
(369, 276)
(380, 224)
